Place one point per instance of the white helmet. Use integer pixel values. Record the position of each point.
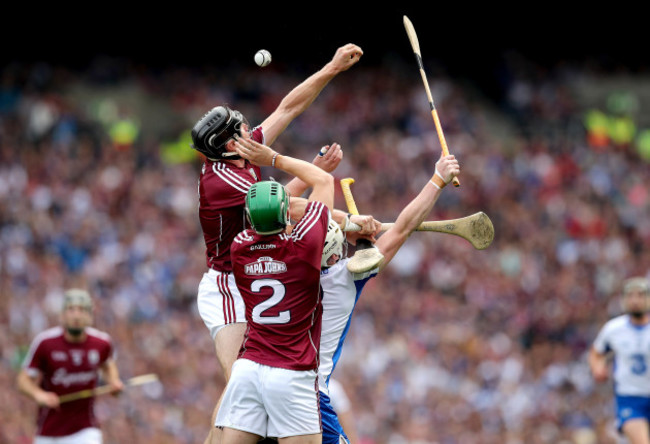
(77, 297)
(334, 242)
(639, 283)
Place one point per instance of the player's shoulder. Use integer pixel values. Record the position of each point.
(617, 323)
(257, 134)
(314, 211)
(50, 334)
(99, 335)
(243, 238)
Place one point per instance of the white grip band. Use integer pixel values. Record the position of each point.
(440, 176)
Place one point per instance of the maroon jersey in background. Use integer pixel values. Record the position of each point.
(67, 367)
(278, 277)
(222, 191)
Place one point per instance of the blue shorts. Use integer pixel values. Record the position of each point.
(332, 431)
(631, 407)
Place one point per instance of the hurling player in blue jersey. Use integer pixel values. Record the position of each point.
(341, 288)
(626, 339)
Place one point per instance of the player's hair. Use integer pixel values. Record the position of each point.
(267, 207)
(77, 297)
(211, 133)
(334, 243)
(637, 282)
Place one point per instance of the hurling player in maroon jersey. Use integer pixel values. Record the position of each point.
(224, 179)
(68, 359)
(273, 388)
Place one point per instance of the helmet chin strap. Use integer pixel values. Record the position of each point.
(227, 155)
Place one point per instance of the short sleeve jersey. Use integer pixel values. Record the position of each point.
(341, 291)
(278, 277)
(630, 344)
(67, 367)
(222, 191)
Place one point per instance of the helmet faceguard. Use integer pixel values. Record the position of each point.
(211, 133)
(267, 207)
(334, 243)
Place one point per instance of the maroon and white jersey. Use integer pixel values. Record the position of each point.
(278, 277)
(67, 367)
(222, 192)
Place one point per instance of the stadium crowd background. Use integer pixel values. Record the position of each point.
(449, 345)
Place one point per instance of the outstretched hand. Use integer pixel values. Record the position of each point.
(331, 159)
(257, 153)
(345, 57)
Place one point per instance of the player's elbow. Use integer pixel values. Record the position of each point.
(324, 180)
(23, 382)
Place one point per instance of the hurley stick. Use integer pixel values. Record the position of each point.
(476, 228)
(105, 389)
(366, 256)
(415, 44)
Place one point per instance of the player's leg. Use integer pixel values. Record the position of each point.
(303, 439)
(227, 344)
(222, 311)
(631, 416)
(636, 431)
(332, 430)
(242, 413)
(291, 401)
(232, 436)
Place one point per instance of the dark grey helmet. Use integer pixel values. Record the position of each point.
(214, 129)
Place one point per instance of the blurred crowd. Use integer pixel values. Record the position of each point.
(449, 345)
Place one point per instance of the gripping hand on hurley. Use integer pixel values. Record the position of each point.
(447, 167)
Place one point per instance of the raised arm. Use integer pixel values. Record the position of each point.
(321, 182)
(299, 98)
(416, 211)
(327, 162)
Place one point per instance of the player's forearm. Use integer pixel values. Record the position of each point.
(308, 173)
(596, 361)
(27, 386)
(111, 374)
(296, 187)
(417, 210)
(321, 182)
(295, 103)
(303, 95)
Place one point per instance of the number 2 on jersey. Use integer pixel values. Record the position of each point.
(278, 294)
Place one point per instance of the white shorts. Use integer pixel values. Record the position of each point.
(270, 401)
(219, 301)
(90, 435)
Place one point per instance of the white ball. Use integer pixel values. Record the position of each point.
(262, 57)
